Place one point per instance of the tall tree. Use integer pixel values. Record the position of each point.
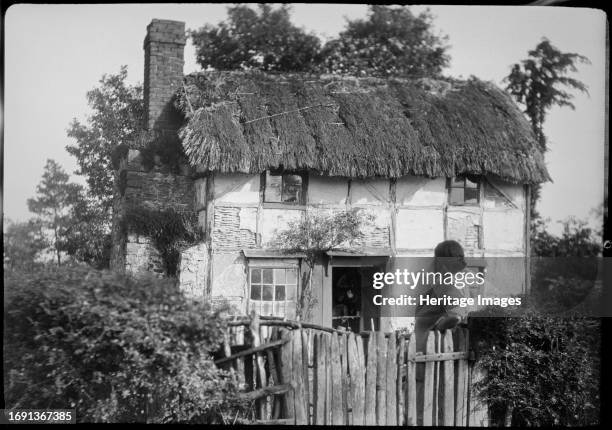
(117, 112)
(88, 237)
(263, 39)
(23, 243)
(55, 198)
(389, 42)
(540, 82)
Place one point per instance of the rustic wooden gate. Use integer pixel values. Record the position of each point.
(299, 373)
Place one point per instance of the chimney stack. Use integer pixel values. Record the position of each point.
(163, 73)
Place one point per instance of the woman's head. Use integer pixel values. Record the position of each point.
(449, 257)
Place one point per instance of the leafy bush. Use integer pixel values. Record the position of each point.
(540, 370)
(113, 347)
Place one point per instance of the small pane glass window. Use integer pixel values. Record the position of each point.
(283, 188)
(463, 191)
(273, 291)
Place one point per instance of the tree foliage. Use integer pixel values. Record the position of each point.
(88, 237)
(53, 204)
(116, 348)
(576, 240)
(540, 82)
(389, 42)
(263, 39)
(315, 234)
(566, 271)
(117, 112)
(24, 242)
(540, 370)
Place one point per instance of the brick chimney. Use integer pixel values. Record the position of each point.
(163, 73)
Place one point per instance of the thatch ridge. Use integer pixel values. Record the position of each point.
(356, 127)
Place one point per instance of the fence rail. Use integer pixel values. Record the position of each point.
(300, 373)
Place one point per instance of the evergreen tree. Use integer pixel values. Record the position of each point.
(55, 198)
(540, 82)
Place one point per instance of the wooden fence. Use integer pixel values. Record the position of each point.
(306, 374)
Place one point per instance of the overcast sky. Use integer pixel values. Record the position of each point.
(54, 54)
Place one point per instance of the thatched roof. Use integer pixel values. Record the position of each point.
(356, 127)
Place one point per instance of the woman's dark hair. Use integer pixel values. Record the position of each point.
(450, 254)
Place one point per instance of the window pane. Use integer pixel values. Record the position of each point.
(255, 292)
(279, 276)
(279, 292)
(290, 291)
(471, 196)
(273, 188)
(267, 292)
(291, 276)
(470, 184)
(292, 188)
(255, 276)
(267, 276)
(279, 309)
(266, 308)
(456, 196)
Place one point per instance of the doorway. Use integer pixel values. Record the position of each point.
(346, 298)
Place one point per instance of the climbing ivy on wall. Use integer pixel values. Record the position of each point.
(170, 230)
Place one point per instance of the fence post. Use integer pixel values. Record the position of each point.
(392, 377)
(411, 397)
(461, 393)
(357, 369)
(370, 394)
(336, 380)
(286, 363)
(448, 401)
(428, 383)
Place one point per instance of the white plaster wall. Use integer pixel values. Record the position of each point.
(418, 191)
(193, 270)
(369, 191)
(514, 192)
(327, 190)
(419, 228)
(504, 230)
(236, 188)
(277, 220)
(229, 278)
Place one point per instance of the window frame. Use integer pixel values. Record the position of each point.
(286, 267)
(475, 179)
(279, 172)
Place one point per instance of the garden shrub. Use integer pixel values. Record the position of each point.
(114, 348)
(540, 370)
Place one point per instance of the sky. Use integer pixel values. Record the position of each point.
(54, 54)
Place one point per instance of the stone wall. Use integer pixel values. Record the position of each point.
(155, 189)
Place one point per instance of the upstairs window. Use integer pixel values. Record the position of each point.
(273, 291)
(464, 191)
(284, 188)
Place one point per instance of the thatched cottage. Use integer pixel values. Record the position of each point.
(429, 160)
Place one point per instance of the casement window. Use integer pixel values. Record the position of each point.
(273, 291)
(463, 191)
(284, 188)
